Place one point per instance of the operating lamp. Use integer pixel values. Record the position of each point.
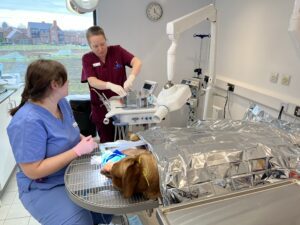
(174, 96)
(82, 6)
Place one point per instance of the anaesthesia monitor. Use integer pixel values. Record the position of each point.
(149, 86)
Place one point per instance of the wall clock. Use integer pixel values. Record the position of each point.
(154, 11)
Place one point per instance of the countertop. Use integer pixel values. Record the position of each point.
(10, 89)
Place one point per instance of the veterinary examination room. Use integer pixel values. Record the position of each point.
(149, 112)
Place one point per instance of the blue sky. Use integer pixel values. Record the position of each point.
(19, 12)
(35, 5)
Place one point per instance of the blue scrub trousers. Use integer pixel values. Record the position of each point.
(54, 207)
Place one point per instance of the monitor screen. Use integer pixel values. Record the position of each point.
(147, 86)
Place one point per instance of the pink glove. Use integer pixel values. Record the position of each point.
(85, 146)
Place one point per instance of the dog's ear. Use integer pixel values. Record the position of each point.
(130, 178)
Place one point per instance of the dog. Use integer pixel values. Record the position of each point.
(136, 173)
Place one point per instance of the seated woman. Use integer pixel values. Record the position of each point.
(45, 138)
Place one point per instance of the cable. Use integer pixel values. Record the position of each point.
(225, 105)
(199, 69)
(280, 112)
(229, 113)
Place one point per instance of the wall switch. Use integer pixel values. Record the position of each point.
(297, 111)
(274, 77)
(285, 79)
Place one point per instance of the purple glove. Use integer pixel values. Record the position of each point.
(85, 146)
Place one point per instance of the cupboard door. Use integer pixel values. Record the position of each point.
(7, 161)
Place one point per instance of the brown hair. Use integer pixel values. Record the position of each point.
(38, 79)
(94, 30)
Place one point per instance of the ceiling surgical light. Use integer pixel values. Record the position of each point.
(82, 6)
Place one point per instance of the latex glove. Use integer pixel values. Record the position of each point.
(85, 146)
(116, 88)
(129, 82)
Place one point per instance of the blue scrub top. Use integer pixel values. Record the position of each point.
(35, 134)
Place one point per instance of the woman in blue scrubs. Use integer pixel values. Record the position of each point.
(45, 138)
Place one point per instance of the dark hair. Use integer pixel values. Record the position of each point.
(94, 30)
(38, 79)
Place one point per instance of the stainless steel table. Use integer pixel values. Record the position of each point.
(274, 204)
(91, 190)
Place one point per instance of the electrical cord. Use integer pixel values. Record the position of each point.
(280, 112)
(226, 101)
(229, 113)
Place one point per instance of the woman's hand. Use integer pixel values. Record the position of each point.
(85, 146)
(129, 82)
(116, 88)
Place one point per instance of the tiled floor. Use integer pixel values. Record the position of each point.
(12, 211)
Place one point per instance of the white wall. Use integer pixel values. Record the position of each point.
(253, 41)
(125, 23)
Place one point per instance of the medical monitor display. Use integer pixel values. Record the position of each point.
(147, 86)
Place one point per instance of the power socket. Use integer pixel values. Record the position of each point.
(297, 111)
(230, 87)
(285, 79)
(274, 77)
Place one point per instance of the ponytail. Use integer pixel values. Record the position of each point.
(25, 97)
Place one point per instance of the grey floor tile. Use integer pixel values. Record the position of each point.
(4, 211)
(19, 221)
(17, 211)
(8, 197)
(12, 184)
(32, 221)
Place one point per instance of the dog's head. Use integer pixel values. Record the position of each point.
(136, 174)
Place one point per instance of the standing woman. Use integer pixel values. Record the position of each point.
(105, 70)
(45, 138)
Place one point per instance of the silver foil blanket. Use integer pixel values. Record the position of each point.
(216, 157)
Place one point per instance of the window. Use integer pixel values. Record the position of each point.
(32, 29)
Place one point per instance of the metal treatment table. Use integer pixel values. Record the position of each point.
(88, 188)
(274, 204)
